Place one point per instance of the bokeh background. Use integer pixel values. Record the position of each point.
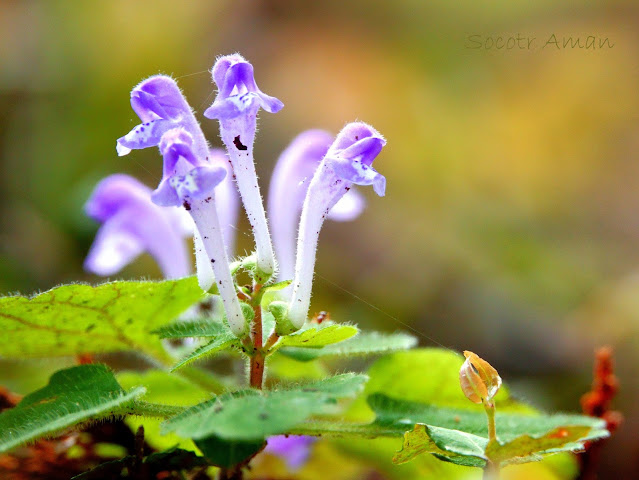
(511, 221)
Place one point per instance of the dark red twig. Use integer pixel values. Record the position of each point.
(596, 403)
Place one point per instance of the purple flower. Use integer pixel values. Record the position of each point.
(238, 93)
(194, 188)
(186, 177)
(131, 225)
(289, 184)
(293, 449)
(161, 107)
(348, 161)
(189, 179)
(236, 106)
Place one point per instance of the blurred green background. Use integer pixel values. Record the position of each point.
(510, 225)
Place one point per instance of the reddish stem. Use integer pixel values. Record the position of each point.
(256, 376)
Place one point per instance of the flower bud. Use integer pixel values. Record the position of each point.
(479, 380)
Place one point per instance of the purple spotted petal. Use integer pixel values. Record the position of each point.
(161, 107)
(238, 92)
(181, 183)
(236, 105)
(143, 136)
(198, 183)
(357, 172)
(352, 155)
(293, 449)
(132, 225)
(188, 179)
(175, 144)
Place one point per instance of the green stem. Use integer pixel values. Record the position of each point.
(490, 413)
(147, 409)
(491, 471)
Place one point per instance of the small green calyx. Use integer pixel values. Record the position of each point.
(259, 276)
(249, 314)
(283, 325)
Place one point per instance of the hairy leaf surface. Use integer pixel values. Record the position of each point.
(251, 415)
(75, 319)
(73, 395)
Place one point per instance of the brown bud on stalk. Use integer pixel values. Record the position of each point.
(479, 380)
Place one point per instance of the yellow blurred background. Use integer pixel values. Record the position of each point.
(511, 221)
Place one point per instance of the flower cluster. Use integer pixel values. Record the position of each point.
(200, 189)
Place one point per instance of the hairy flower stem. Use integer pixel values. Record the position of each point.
(241, 158)
(206, 221)
(313, 214)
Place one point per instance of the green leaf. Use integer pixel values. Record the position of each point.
(75, 319)
(162, 388)
(452, 445)
(471, 450)
(219, 343)
(73, 395)
(425, 375)
(317, 336)
(196, 328)
(252, 415)
(364, 343)
(528, 448)
(427, 381)
(394, 414)
(228, 453)
(283, 367)
(452, 433)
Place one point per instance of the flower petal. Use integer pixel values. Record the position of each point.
(359, 173)
(165, 195)
(198, 183)
(293, 449)
(270, 104)
(169, 102)
(132, 224)
(114, 247)
(348, 208)
(366, 148)
(147, 106)
(181, 221)
(114, 193)
(231, 107)
(144, 135)
(237, 90)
